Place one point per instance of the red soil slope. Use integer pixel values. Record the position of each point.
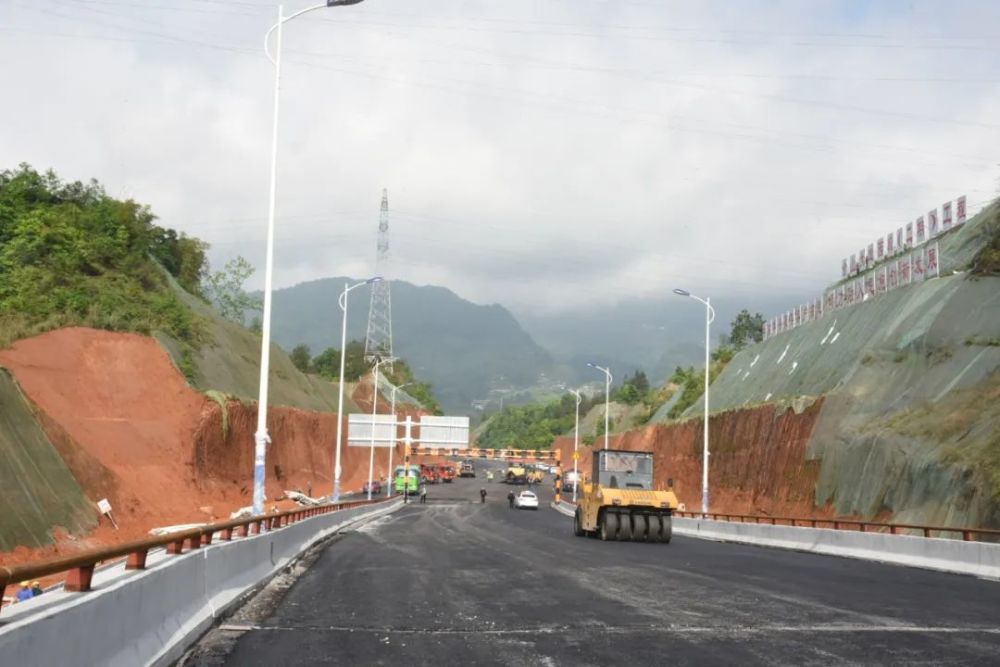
(758, 459)
(132, 431)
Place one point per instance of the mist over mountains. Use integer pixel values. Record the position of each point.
(468, 351)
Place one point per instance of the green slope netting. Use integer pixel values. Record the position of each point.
(37, 490)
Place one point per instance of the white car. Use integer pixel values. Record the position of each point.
(526, 500)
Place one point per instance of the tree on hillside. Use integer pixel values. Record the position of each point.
(301, 357)
(225, 289)
(327, 363)
(746, 328)
(182, 256)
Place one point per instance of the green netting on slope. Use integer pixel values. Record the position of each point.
(231, 364)
(37, 491)
(922, 328)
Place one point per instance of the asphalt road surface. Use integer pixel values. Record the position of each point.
(455, 582)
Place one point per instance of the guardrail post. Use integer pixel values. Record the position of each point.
(175, 548)
(78, 579)
(966, 535)
(927, 532)
(893, 529)
(206, 537)
(227, 534)
(194, 542)
(136, 560)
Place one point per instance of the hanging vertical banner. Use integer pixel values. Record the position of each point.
(812, 310)
(946, 216)
(843, 268)
(932, 223)
(921, 235)
(889, 249)
(891, 280)
(870, 256)
(854, 264)
(932, 261)
(904, 270)
(880, 286)
(917, 267)
(881, 249)
(960, 210)
(830, 302)
(899, 240)
(909, 235)
(859, 290)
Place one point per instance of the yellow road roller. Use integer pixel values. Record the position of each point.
(619, 501)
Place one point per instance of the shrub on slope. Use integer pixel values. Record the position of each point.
(70, 255)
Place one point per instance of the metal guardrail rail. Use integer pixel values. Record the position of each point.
(80, 566)
(968, 534)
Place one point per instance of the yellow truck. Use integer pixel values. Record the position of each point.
(619, 502)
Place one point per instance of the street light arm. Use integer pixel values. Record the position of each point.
(322, 5)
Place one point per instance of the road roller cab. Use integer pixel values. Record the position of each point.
(619, 501)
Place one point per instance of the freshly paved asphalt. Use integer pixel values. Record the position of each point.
(455, 582)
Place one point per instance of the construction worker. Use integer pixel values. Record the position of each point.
(423, 494)
(25, 592)
(36, 589)
(510, 500)
(482, 495)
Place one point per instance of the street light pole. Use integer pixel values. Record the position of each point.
(340, 398)
(709, 318)
(607, 399)
(388, 491)
(371, 452)
(576, 440)
(261, 437)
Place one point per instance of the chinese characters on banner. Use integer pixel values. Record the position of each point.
(917, 270)
(911, 254)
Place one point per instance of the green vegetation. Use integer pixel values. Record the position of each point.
(983, 341)
(692, 383)
(225, 289)
(535, 426)
(301, 357)
(70, 255)
(987, 260)
(746, 329)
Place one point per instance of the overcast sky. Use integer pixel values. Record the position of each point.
(543, 154)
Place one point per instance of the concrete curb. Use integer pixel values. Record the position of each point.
(564, 508)
(150, 617)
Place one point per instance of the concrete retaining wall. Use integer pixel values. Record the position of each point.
(977, 558)
(150, 617)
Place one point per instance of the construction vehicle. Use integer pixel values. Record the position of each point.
(619, 502)
(447, 473)
(467, 469)
(516, 474)
(535, 476)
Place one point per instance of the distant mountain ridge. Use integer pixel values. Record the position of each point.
(463, 349)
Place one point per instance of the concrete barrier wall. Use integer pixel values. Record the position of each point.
(150, 617)
(977, 558)
(981, 559)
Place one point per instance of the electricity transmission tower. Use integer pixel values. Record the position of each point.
(378, 341)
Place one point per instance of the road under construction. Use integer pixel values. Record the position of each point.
(456, 581)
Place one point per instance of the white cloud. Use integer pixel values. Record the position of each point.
(542, 155)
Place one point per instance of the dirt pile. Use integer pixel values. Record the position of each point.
(758, 462)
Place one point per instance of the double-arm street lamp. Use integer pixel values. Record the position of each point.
(607, 398)
(261, 437)
(709, 317)
(340, 399)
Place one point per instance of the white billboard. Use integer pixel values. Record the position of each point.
(450, 432)
(359, 430)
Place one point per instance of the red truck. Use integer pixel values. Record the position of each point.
(447, 473)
